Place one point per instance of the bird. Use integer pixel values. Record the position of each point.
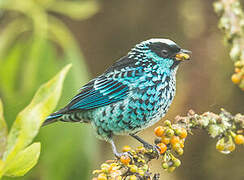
(132, 94)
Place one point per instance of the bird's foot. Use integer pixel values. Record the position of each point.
(148, 146)
(119, 155)
(154, 148)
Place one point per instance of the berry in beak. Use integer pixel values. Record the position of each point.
(183, 55)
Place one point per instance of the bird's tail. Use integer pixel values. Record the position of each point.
(65, 116)
(52, 118)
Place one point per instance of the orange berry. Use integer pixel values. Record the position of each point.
(125, 159)
(162, 147)
(237, 70)
(239, 139)
(159, 131)
(165, 140)
(235, 79)
(126, 148)
(183, 133)
(175, 140)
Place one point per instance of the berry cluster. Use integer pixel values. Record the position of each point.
(228, 129)
(231, 23)
(132, 165)
(171, 141)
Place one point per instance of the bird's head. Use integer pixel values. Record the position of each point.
(161, 51)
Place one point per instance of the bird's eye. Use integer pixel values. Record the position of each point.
(164, 53)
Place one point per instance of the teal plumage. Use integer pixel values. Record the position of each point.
(131, 95)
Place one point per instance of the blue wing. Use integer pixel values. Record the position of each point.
(98, 92)
(107, 88)
(110, 87)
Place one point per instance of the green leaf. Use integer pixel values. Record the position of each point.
(14, 74)
(28, 122)
(3, 131)
(23, 161)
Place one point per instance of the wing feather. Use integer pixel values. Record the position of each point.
(102, 92)
(110, 87)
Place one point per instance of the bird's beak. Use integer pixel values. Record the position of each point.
(183, 55)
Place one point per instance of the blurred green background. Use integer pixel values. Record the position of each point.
(38, 37)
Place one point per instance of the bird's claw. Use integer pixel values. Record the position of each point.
(118, 155)
(154, 148)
